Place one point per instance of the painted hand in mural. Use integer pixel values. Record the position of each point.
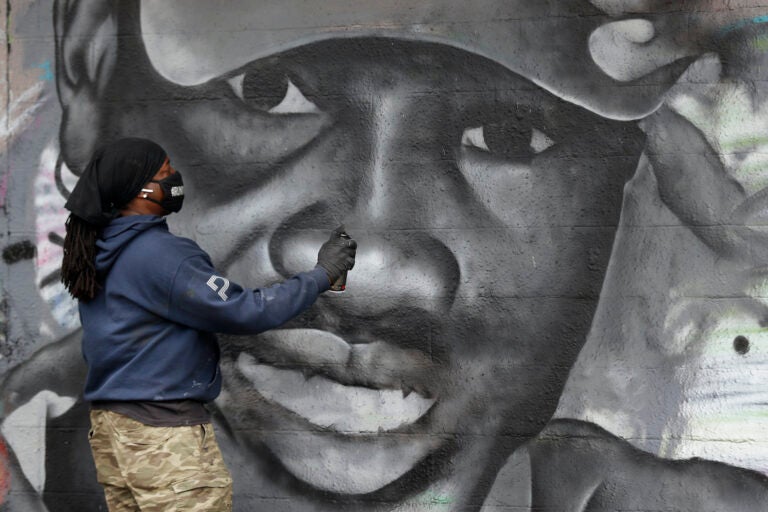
(699, 190)
(683, 308)
(579, 466)
(716, 186)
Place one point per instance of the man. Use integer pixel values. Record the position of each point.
(149, 303)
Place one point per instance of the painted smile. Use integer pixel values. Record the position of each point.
(359, 403)
(353, 388)
(328, 404)
(376, 364)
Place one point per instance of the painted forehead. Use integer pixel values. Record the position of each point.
(213, 42)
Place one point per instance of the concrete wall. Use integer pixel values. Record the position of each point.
(558, 302)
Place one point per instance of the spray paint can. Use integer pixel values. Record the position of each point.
(340, 284)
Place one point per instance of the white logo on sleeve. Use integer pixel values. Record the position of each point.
(213, 286)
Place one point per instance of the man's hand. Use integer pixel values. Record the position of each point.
(337, 255)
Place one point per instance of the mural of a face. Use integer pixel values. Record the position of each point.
(484, 207)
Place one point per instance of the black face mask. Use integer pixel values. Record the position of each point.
(173, 192)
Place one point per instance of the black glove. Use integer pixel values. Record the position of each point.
(337, 255)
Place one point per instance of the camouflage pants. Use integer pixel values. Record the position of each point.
(154, 469)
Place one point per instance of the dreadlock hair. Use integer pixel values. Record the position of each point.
(78, 269)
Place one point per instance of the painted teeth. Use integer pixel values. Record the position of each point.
(374, 364)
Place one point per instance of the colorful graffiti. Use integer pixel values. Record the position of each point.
(558, 302)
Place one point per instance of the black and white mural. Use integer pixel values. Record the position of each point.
(558, 302)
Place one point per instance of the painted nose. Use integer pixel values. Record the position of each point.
(399, 196)
(399, 263)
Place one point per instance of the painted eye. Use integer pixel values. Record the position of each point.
(271, 92)
(474, 137)
(508, 140)
(294, 102)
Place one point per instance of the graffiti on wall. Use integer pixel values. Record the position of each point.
(558, 299)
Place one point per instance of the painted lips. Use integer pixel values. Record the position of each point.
(360, 400)
(359, 388)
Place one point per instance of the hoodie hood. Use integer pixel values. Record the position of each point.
(118, 234)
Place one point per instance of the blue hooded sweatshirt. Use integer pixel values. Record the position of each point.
(148, 333)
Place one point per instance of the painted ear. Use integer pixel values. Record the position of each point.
(86, 52)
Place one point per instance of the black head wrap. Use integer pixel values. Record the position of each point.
(113, 177)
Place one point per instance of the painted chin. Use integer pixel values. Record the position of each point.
(341, 427)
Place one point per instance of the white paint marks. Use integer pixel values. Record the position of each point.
(221, 290)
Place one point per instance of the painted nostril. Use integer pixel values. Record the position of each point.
(294, 251)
